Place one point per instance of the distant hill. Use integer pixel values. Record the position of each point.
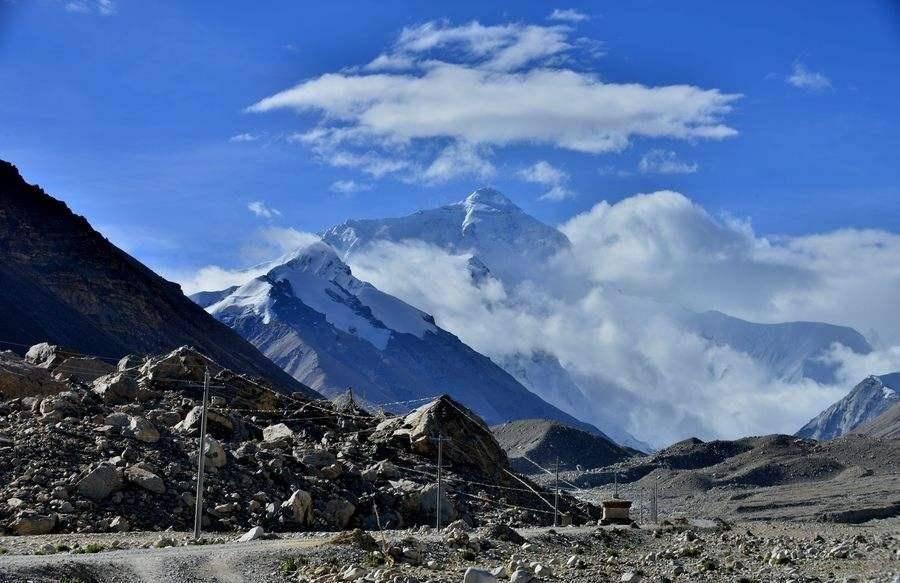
(542, 441)
(62, 282)
(869, 399)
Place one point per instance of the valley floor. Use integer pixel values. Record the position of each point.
(765, 551)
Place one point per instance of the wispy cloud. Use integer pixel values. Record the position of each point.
(803, 78)
(482, 88)
(260, 209)
(245, 137)
(349, 186)
(568, 15)
(103, 7)
(665, 162)
(542, 172)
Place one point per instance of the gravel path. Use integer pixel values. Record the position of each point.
(229, 562)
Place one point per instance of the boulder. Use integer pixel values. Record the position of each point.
(473, 575)
(215, 453)
(338, 512)
(318, 458)
(428, 506)
(82, 369)
(64, 404)
(473, 442)
(100, 482)
(145, 479)
(116, 388)
(217, 424)
(29, 523)
(298, 508)
(255, 533)
(278, 433)
(47, 356)
(142, 430)
(19, 378)
(182, 364)
(383, 469)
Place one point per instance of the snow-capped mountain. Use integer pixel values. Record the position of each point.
(486, 223)
(869, 399)
(790, 350)
(507, 245)
(321, 324)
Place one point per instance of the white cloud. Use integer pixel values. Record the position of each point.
(502, 47)
(568, 15)
(482, 107)
(348, 186)
(557, 193)
(542, 172)
(459, 159)
(665, 162)
(271, 242)
(260, 209)
(103, 7)
(802, 78)
(245, 137)
(486, 87)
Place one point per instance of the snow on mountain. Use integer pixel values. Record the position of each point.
(790, 350)
(321, 324)
(507, 244)
(869, 399)
(486, 223)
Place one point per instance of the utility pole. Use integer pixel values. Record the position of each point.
(641, 506)
(437, 504)
(201, 463)
(556, 496)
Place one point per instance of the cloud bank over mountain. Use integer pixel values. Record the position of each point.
(611, 308)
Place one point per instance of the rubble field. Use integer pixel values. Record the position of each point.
(758, 552)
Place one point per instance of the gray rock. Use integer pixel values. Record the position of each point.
(116, 388)
(142, 430)
(298, 508)
(215, 453)
(145, 479)
(474, 575)
(254, 533)
(100, 482)
(278, 433)
(29, 523)
(339, 512)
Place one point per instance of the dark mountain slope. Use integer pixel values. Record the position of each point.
(63, 282)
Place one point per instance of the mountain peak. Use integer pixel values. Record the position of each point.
(318, 258)
(488, 197)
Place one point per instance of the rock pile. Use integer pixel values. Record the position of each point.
(90, 447)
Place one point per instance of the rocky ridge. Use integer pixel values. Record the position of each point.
(869, 399)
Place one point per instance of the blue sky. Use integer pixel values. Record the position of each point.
(136, 113)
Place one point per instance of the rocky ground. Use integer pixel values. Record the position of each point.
(852, 479)
(90, 446)
(699, 552)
